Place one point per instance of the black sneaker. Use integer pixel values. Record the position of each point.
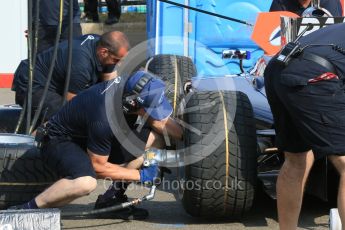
(131, 213)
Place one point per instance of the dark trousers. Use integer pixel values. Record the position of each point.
(90, 9)
(51, 105)
(114, 8)
(47, 35)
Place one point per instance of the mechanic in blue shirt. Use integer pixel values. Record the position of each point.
(307, 100)
(85, 119)
(299, 6)
(49, 14)
(93, 60)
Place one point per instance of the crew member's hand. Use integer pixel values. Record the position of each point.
(148, 175)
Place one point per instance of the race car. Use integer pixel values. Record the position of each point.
(213, 69)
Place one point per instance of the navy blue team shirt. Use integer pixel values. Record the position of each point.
(86, 68)
(333, 6)
(84, 118)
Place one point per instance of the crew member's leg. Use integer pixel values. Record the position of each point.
(20, 97)
(86, 12)
(65, 191)
(290, 186)
(339, 163)
(290, 139)
(114, 9)
(51, 105)
(92, 6)
(71, 163)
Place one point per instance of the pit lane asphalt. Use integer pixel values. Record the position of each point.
(167, 213)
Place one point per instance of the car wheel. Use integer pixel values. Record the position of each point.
(176, 71)
(9, 116)
(23, 175)
(222, 182)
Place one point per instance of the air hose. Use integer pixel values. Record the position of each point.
(207, 12)
(70, 50)
(30, 80)
(51, 68)
(32, 52)
(21, 117)
(117, 207)
(32, 49)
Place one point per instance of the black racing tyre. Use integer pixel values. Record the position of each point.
(23, 175)
(222, 184)
(9, 116)
(175, 71)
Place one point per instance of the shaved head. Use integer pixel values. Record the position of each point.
(113, 41)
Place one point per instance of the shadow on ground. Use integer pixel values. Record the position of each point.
(170, 214)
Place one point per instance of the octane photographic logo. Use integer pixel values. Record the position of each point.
(186, 153)
(6, 227)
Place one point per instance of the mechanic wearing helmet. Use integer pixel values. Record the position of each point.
(299, 6)
(93, 60)
(85, 120)
(307, 100)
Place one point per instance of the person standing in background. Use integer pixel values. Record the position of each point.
(299, 6)
(114, 11)
(49, 12)
(90, 10)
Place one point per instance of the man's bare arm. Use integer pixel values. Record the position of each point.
(104, 169)
(69, 96)
(173, 129)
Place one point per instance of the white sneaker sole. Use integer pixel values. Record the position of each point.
(334, 220)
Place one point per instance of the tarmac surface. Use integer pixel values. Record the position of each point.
(166, 210)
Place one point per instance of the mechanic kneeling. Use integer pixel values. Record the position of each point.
(82, 124)
(306, 95)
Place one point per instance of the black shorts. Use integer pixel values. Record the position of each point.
(67, 158)
(307, 117)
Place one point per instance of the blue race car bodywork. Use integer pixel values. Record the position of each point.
(176, 30)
